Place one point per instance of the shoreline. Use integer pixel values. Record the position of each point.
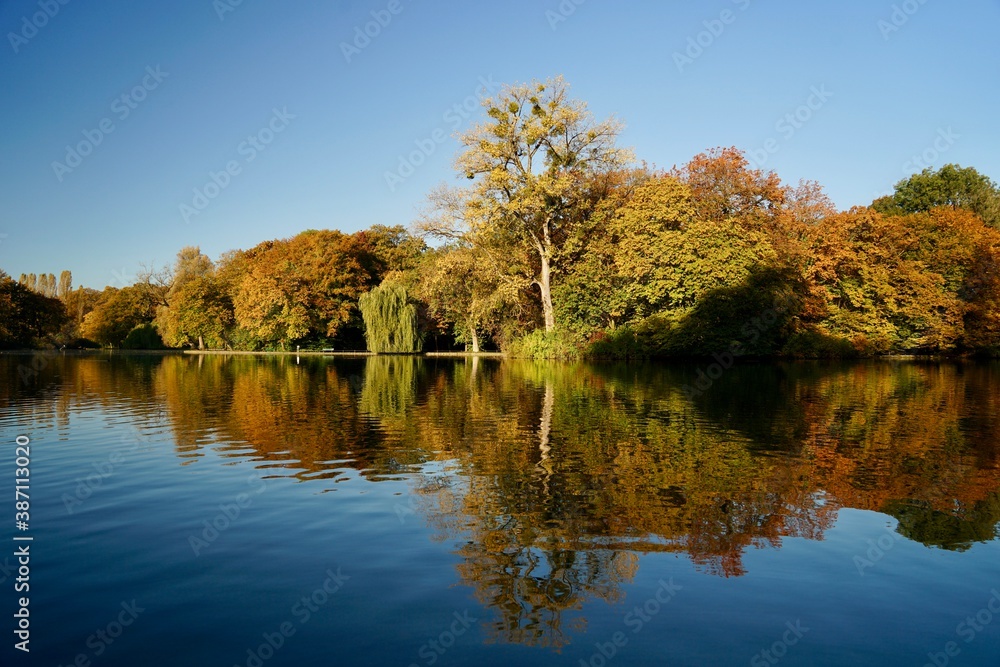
(258, 353)
(278, 353)
(347, 354)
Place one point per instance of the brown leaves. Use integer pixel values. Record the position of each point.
(726, 188)
(915, 282)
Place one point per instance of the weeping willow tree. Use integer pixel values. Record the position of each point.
(390, 320)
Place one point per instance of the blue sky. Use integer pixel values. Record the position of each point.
(310, 129)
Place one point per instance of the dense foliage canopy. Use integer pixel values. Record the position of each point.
(559, 245)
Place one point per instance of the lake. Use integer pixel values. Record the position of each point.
(263, 511)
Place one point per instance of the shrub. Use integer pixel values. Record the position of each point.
(817, 345)
(620, 343)
(540, 344)
(143, 337)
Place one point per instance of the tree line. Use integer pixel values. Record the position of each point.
(561, 245)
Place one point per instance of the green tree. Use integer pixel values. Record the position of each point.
(390, 320)
(951, 185)
(143, 337)
(390, 387)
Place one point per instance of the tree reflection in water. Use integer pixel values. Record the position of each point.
(559, 476)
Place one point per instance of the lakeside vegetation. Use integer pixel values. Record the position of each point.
(562, 246)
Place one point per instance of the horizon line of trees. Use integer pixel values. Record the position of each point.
(562, 246)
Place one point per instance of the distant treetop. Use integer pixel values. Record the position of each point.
(951, 185)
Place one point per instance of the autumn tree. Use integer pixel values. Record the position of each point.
(46, 284)
(726, 188)
(907, 283)
(808, 203)
(120, 311)
(65, 285)
(190, 264)
(653, 260)
(462, 290)
(36, 283)
(291, 289)
(200, 313)
(529, 161)
(197, 309)
(78, 304)
(982, 287)
(26, 317)
(266, 302)
(395, 249)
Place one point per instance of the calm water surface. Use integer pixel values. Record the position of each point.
(394, 511)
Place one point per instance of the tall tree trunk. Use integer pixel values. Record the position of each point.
(545, 287)
(201, 342)
(475, 337)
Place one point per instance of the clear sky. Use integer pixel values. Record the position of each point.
(153, 98)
